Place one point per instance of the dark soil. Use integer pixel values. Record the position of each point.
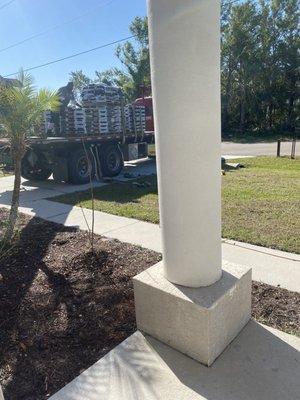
(276, 307)
(62, 307)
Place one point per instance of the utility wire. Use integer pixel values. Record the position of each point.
(55, 26)
(6, 4)
(83, 52)
(66, 23)
(74, 55)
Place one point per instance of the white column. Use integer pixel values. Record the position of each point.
(1, 394)
(185, 61)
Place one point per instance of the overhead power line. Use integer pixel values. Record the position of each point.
(66, 23)
(84, 52)
(6, 4)
(56, 26)
(74, 55)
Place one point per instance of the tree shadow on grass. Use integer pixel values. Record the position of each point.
(120, 193)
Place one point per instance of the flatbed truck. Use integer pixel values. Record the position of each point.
(76, 159)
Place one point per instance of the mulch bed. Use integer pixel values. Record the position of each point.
(276, 307)
(63, 308)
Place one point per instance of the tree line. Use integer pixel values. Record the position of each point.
(259, 67)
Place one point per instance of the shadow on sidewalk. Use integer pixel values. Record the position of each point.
(256, 365)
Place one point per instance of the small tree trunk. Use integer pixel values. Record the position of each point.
(242, 108)
(15, 198)
(228, 95)
(290, 122)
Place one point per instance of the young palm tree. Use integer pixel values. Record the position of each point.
(21, 108)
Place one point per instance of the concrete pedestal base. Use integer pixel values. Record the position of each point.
(198, 322)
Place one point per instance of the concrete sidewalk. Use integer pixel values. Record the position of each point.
(270, 266)
(261, 363)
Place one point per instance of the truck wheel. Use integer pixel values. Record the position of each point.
(112, 161)
(80, 167)
(40, 171)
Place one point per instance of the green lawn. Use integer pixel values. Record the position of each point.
(261, 202)
(120, 199)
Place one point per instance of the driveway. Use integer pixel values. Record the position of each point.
(35, 191)
(257, 149)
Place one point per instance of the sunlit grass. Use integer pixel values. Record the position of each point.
(260, 203)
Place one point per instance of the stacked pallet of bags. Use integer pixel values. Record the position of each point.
(75, 120)
(139, 116)
(103, 109)
(135, 118)
(48, 123)
(79, 121)
(69, 120)
(47, 126)
(72, 120)
(100, 111)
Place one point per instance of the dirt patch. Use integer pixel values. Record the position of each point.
(63, 308)
(276, 307)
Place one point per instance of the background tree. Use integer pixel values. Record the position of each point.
(259, 67)
(80, 80)
(260, 73)
(117, 77)
(21, 108)
(239, 65)
(135, 60)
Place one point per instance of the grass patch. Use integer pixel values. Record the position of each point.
(152, 150)
(261, 203)
(122, 199)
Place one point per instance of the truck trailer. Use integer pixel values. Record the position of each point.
(92, 138)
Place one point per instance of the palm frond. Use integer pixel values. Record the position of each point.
(22, 106)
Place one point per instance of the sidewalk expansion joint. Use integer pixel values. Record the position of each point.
(122, 227)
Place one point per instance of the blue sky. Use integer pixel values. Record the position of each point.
(103, 21)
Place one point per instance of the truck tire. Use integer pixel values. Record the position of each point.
(112, 161)
(80, 168)
(41, 170)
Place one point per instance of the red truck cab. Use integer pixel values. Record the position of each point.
(147, 102)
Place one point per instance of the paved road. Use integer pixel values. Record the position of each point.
(257, 149)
